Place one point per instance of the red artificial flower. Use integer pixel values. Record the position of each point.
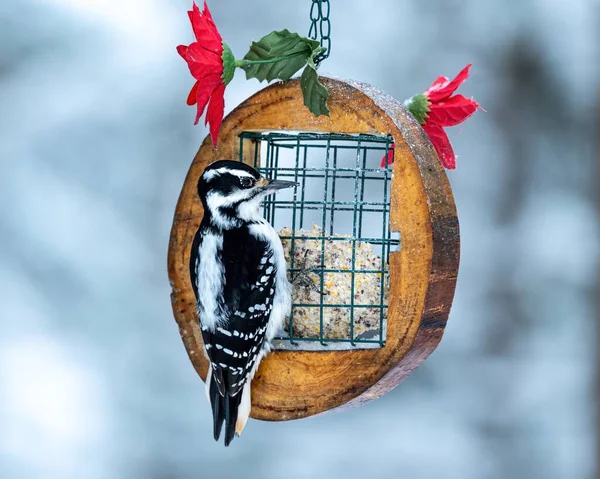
(212, 64)
(437, 109)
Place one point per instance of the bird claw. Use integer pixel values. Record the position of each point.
(302, 277)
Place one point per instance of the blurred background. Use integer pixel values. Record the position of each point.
(95, 142)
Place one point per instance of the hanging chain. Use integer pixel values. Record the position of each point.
(320, 27)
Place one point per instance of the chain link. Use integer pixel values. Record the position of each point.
(320, 27)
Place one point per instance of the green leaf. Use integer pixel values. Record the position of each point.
(315, 95)
(279, 55)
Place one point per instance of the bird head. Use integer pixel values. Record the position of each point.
(231, 192)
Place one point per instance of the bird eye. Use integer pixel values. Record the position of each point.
(246, 182)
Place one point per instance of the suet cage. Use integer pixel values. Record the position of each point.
(338, 217)
(345, 197)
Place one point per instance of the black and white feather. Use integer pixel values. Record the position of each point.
(238, 273)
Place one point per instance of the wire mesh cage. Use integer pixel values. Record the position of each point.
(334, 226)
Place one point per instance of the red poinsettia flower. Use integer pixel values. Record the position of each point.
(212, 64)
(437, 109)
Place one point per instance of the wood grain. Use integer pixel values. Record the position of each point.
(297, 384)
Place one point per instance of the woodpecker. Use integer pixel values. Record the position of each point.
(238, 273)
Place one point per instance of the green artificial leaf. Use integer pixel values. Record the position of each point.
(314, 93)
(279, 55)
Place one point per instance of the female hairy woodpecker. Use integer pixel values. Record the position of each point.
(238, 273)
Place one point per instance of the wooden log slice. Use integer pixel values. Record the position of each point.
(297, 384)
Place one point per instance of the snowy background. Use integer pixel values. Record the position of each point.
(95, 141)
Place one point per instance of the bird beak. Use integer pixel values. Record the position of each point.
(272, 185)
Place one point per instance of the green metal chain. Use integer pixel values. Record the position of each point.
(320, 27)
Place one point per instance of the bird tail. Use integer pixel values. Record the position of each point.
(225, 409)
(244, 409)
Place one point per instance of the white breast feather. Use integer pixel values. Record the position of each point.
(210, 277)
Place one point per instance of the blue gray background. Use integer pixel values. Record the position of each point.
(95, 141)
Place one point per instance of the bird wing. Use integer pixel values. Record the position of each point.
(235, 346)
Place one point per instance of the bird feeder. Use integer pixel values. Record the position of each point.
(393, 231)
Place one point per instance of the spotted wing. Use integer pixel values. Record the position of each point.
(236, 345)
